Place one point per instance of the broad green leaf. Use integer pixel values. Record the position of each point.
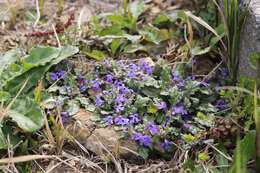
(96, 54)
(122, 21)
(154, 35)
(137, 8)
(27, 114)
(16, 74)
(9, 58)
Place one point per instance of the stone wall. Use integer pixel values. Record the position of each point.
(250, 39)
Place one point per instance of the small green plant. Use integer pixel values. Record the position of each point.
(233, 19)
(255, 64)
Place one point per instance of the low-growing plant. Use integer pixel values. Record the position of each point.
(148, 103)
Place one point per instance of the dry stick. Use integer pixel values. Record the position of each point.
(39, 166)
(212, 71)
(27, 158)
(55, 166)
(49, 133)
(56, 35)
(220, 152)
(68, 164)
(38, 13)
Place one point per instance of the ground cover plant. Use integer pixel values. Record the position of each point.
(156, 73)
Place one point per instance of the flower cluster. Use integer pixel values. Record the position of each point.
(54, 76)
(154, 105)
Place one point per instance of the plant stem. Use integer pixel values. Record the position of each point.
(257, 118)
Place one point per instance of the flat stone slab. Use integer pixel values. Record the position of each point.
(104, 142)
(250, 39)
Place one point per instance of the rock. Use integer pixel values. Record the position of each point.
(250, 39)
(101, 140)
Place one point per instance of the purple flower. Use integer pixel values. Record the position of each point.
(176, 77)
(161, 105)
(121, 121)
(61, 74)
(82, 88)
(105, 62)
(120, 99)
(179, 109)
(109, 78)
(204, 84)
(133, 67)
(166, 145)
(82, 83)
(190, 78)
(136, 136)
(96, 85)
(117, 84)
(124, 90)
(131, 74)
(108, 120)
(119, 108)
(221, 104)
(54, 76)
(134, 119)
(224, 72)
(143, 140)
(64, 114)
(187, 126)
(167, 120)
(153, 129)
(99, 101)
(146, 67)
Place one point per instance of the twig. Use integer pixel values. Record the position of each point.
(38, 13)
(56, 35)
(212, 71)
(220, 152)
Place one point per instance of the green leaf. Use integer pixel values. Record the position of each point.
(4, 96)
(122, 21)
(73, 107)
(30, 69)
(254, 59)
(9, 58)
(6, 131)
(27, 114)
(245, 151)
(144, 152)
(189, 138)
(200, 51)
(151, 108)
(203, 156)
(96, 54)
(154, 35)
(137, 8)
